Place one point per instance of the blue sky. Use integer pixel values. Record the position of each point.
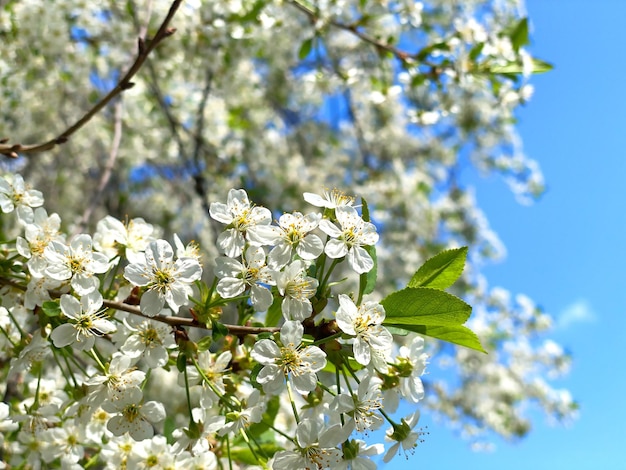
(566, 250)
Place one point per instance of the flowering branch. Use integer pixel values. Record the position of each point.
(354, 29)
(236, 330)
(145, 47)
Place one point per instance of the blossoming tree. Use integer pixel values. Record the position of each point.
(296, 323)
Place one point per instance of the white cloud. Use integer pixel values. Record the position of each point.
(579, 311)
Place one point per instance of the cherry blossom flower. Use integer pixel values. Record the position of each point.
(113, 238)
(86, 322)
(357, 455)
(297, 288)
(14, 195)
(77, 262)
(292, 234)
(330, 200)
(349, 240)
(191, 250)
(119, 377)
(149, 340)
(251, 412)
(236, 277)
(239, 216)
(132, 416)
(403, 436)
(410, 364)
(37, 236)
(213, 367)
(364, 405)
(6, 423)
(64, 442)
(316, 448)
(288, 361)
(153, 453)
(166, 280)
(372, 341)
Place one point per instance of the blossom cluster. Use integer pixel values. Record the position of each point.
(123, 356)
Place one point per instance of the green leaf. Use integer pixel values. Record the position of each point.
(475, 51)
(205, 343)
(519, 35)
(274, 313)
(424, 306)
(218, 330)
(181, 362)
(459, 334)
(245, 455)
(305, 48)
(440, 271)
(368, 280)
(51, 308)
(515, 68)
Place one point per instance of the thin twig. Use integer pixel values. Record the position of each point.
(354, 29)
(108, 168)
(170, 320)
(189, 322)
(145, 47)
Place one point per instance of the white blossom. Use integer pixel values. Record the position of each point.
(290, 360)
(316, 448)
(350, 238)
(372, 341)
(15, 195)
(76, 262)
(292, 234)
(330, 199)
(86, 322)
(403, 436)
(239, 216)
(297, 288)
(166, 280)
(132, 416)
(113, 237)
(251, 273)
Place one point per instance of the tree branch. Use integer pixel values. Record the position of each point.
(354, 29)
(188, 322)
(108, 168)
(145, 47)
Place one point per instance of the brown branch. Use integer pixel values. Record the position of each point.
(145, 47)
(108, 168)
(170, 320)
(354, 29)
(189, 322)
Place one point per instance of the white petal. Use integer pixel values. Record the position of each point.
(63, 335)
(220, 212)
(336, 249)
(359, 260)
(137, 274)
(310, 247)
(231, 242)
(265, 352)
(329, 228)
(229, 287)
(291, 333)
(261, 298)
(151, 303)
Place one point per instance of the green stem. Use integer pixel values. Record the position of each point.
(16, 323)
(327, 339)
(7, 337)
(327, 275)
(293, 403)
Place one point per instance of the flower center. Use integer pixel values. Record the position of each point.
(131, 412)
(299, 289)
